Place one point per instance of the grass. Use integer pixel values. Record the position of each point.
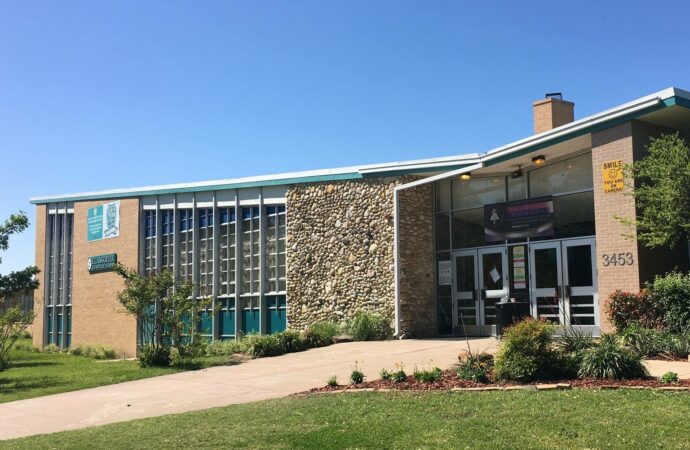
(490, 420)
(34, 374)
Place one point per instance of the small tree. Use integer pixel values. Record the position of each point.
(14, 321)
(662, 192)
(165, 310)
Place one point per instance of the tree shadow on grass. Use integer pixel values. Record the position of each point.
(19, 364)
(10, 386)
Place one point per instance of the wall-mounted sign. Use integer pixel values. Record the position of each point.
(519, 267)
(103, 221)
(518, 219)
(102, 263)
(445, 276)
(612, 176)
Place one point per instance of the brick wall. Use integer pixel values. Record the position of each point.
(608, 145)
(40, 262)
(97, 316)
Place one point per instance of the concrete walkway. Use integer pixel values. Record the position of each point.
(254, 380)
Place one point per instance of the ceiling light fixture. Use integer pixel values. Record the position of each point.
(466, 176)
(539, 160)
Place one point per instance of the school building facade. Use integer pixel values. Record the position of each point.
(431, 244)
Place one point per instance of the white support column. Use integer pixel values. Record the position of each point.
(195, 248)
(216, 265)
(238, 264)
(263, 313)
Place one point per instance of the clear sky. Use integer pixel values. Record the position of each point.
(98, 95)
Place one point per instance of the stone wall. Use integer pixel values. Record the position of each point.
(340, 251)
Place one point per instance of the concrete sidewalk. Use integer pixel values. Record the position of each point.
(254, 380)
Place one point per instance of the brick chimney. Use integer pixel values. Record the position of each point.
(551, 112)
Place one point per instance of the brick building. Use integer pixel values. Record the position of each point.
(432, 244)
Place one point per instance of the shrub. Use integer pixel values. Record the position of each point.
(526, 352)
(154, 356)
(25, 347)
(332, 381)
(357, 376)
(291, 341)
(575, 340)
(610, 360)
(52, 348)
(366, 326)
(93, 351)
(673, 294)
(260, 346)
(428, 376)
(475, 367)
(645, 341)
(321, 334)
(226, 348)
(643, 309)
(679, 344)
(669, 378)
(385, 374)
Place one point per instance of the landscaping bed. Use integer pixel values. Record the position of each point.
(449, 380)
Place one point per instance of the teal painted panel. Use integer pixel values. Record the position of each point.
(49, 318)
(226, 323)
(276, 320)
(206, 323)
(251, 321)
(94, 220)
(58, 333)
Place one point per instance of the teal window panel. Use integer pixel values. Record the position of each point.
(251, 321)
(226, 319)
(276, 320)
(206, 323)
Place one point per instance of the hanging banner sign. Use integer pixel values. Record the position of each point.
(612, 176)
(518, 219)
(103, 221)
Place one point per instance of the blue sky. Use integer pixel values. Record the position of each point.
(97, 95)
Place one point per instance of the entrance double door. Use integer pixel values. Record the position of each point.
(480, 280)
(563, 283)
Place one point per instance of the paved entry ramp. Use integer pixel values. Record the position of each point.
(254, 380)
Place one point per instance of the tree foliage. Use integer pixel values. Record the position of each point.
(662, 192)
(14, 321)
(165, 310)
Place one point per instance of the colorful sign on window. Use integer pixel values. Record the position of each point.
(518, 219)
(612, 176)
(103, 221)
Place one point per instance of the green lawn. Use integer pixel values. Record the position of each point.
(34, 374)
(492, 420)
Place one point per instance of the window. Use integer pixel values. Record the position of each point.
(205, 251)
(478, 192)
(186, 240)
(570, 175)
(167, 240)
(275, 248)
(58, 288)
(251, 248)
(227, 251)
(149, 242)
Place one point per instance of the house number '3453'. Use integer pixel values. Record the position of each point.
(618, 259)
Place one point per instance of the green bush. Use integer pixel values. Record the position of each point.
(52, 348)
(575, 340)
(357, 377)
(428, 376)
(226, 348)
(679, 344)
(260, 346)
(669, 378)
(291, 341)
(642, 309)
(611, 360)
(154, 356)
(475, 367)
(673, 294)
(321, 334)
(399, 376)
(25, 347)
(645, 342)
(93, 351)
(366, 326)
(332, 381)
(384, 374)
(526, 353)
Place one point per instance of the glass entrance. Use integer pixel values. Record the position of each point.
(480, 281)
(563, 283)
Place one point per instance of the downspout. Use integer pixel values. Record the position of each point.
(396, 230)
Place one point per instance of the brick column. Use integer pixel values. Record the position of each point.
(609, 145)
(40, 262)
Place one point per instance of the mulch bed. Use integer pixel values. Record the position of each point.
(449, 380)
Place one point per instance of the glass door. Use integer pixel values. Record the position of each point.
(493, 283)
(465, 302)
(580, 284)
(545, 278)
